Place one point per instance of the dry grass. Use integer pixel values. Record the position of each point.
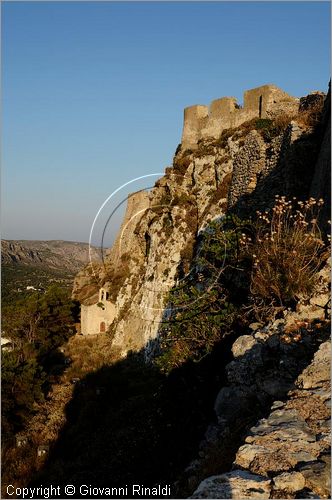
(311, 117)
(287, 251)
(18, 466)
(282, 120)
(181, 165)
(88, 354)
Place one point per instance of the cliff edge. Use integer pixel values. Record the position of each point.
(278, 149)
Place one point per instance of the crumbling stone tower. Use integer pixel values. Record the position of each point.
(203, 122)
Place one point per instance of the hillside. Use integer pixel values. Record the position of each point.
(236, 173)
(54, 254)
(40, 263)
(213, 375)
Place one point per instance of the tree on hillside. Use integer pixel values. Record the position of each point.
(37, 327)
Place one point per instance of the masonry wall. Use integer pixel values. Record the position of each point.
(137, 205)
(296, 162)
(93, 315)
(203, 122)
(321, 183)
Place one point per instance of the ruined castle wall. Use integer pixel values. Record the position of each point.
(248, 162)
(137, 205)
(257, 174)
(195, 119)
(201, 122)
(268, 101)
(220, 117)
(136, 202)
(321, 182)
(243, 115)
(257, 100)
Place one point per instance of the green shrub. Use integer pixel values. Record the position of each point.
(37, 328)
(269, 129)
(263, 123)
(201, 311)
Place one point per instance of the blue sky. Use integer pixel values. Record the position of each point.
(93, 93)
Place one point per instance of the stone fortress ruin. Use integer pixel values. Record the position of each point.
(98, 311)
(204, 122)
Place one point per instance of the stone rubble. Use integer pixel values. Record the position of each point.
(280, 371)
(287, 454)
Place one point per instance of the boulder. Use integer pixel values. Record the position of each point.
(317, 476)
(289, 481)
(242, 345)
(236, 484)
(318, 372)
(231, 402)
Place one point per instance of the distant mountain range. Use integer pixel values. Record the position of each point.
(55, 254)
(38, 264)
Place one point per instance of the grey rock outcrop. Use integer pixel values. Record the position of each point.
(289, 482)
(287, 453)
(235, 484)
(280, 371)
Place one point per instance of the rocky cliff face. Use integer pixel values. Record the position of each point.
(286, 454)
(156, 248)
(280, 371)
(239, 172)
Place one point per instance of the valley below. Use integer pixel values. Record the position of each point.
(35, 265)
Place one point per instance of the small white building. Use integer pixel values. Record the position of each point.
(96, 318)
(6, 344)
